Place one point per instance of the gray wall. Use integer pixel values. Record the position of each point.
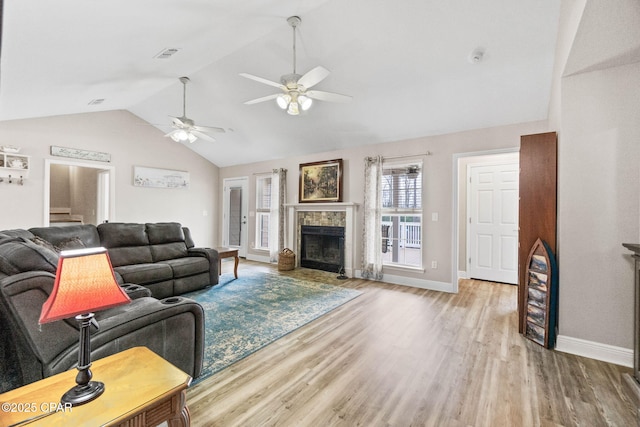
(439, 191)
(596, 111)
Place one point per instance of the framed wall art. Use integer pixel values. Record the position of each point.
(76, 153)
(321, 181)
(159, 178)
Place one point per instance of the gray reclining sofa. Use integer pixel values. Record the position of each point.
(154, 263)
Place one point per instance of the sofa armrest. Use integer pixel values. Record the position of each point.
(212, 256)
(173, 328)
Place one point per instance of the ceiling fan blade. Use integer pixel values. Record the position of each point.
(313, 76)
(264, 98)
(203, 135)
(265, 81)
(177, 121)
(208, 129)
(328, 96)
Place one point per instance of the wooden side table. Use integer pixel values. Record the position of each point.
(228, 253)
(141, 389)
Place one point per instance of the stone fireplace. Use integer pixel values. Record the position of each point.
(330, 217)
(322, 247)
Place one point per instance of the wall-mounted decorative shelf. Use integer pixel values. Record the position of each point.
(14, 166)
(541, 310)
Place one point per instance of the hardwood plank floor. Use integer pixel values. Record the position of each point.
(401, 356)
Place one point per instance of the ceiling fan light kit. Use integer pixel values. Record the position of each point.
(296, 96)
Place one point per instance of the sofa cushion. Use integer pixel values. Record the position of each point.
(119, 234)
(18, 255)
(127, 243)
(188, 266)
(168, 251)
(130, 255)
(164, 232)
(145, 273)
(87, 233)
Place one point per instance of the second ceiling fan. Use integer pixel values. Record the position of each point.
(185, 129)
(296, 95)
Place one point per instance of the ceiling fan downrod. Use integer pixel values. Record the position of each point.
(184, 81)
(294, 21)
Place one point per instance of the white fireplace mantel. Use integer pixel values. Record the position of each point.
(348, 208)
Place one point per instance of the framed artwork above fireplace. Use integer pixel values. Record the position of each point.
(321, 181)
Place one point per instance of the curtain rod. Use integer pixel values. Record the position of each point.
(272, 171)
(428, 153)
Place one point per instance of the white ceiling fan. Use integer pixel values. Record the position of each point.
(296, 96)
(185, 129)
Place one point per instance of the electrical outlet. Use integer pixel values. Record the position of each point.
(434, 264)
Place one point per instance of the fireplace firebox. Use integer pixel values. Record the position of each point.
(322, 248)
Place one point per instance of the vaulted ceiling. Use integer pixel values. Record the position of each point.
(405, 63)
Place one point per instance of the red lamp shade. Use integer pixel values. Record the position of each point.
(84, 283)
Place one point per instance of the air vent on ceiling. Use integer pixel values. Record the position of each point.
(96, 101)
(166, 53)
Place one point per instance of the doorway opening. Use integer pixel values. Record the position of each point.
(78, 193)
(461, 187)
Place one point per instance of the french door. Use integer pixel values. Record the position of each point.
(235, 205)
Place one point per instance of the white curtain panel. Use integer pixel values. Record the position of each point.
(276, 219)
(372, 239)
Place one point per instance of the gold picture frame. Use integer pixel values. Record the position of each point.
(321, 182)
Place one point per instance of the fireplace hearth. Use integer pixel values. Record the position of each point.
(322, 247)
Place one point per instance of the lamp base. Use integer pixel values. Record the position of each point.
(81, 394)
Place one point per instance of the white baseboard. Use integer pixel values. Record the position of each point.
(259, 258)
(594, 350)
(414, 283)
(462, 275)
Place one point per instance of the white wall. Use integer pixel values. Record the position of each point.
(130, 143)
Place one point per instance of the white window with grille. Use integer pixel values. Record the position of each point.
(263, 211)
(401, 214)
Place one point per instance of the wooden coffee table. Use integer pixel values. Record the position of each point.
(228, 253)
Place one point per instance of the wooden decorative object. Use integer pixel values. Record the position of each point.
(540, 313)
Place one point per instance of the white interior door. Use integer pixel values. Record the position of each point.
(493, 222)
(236, 207)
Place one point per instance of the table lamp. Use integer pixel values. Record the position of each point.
(84, 283)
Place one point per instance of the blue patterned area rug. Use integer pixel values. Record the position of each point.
(245, 314)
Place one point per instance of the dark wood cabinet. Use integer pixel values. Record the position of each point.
(538, 206)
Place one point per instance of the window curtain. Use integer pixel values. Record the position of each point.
(276, 219)
(372, 238)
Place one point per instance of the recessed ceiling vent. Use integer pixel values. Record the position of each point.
(96, 101)
(167, 53)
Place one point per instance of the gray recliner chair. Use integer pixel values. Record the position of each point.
(173, 327)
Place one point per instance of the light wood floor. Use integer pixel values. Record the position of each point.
(400, 356)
